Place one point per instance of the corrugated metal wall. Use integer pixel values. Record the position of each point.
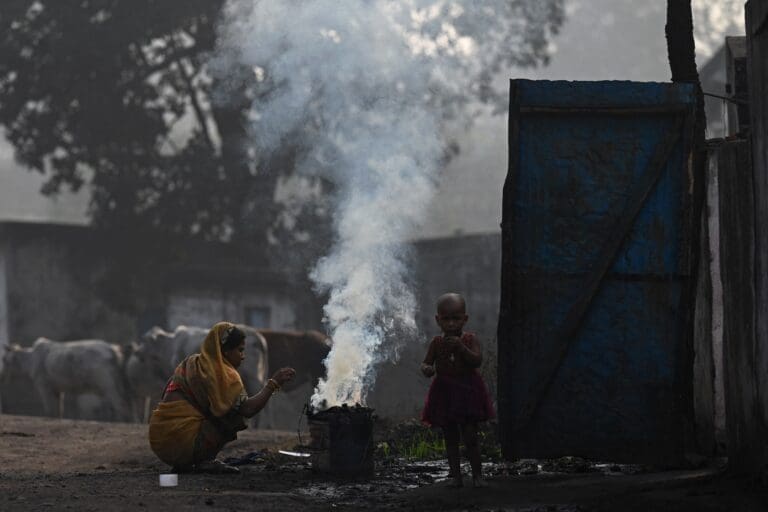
(596, 309)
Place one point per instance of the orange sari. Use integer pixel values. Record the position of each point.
(185, 432)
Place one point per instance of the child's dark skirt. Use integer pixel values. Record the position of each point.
(457, 400)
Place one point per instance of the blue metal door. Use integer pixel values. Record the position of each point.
(594, 320)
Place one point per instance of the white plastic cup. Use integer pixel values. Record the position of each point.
(169, 480)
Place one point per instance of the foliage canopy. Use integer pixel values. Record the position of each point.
(120, 95)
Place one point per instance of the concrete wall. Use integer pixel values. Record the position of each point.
(709, 403)
(50, 294)
(50, 280)
(206, 307)
(712, 228)
(46, 289)
(50, 287)
(49, 272)
(470, 265)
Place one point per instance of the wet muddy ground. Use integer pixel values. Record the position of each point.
(48, 464)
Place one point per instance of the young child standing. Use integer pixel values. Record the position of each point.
(458, 398)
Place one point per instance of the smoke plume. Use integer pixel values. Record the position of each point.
(363, 86)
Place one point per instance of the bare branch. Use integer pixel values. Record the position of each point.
(192, 92)
(149, 70)
(199, 113)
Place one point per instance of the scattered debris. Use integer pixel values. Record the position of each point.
(256, 457)
(568, 465)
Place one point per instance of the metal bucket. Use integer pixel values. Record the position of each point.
(342, 440)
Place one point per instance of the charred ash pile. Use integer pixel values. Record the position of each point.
(342, 439)
(343, 413)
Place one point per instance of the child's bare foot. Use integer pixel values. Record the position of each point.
(478, 482)
(456, 481)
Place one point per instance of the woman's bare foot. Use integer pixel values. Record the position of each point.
(456, 481)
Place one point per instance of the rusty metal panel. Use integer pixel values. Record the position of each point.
(593, 354)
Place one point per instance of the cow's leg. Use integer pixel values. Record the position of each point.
(147, 408)
(121, 407)
(77, 405)
(47, 398)
(127, 408)
(114, 401)
(61, 404)
(113, 390)
(136, 408)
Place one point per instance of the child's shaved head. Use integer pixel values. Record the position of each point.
(451, 300)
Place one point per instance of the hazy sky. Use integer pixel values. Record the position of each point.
(601, 39)
(20, 197)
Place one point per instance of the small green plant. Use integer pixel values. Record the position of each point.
(424, 446)
(383, 450)
(489, 446)
(413, 441)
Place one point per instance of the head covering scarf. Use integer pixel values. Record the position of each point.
(221, 384)
(184, 432)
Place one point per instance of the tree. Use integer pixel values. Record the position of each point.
(681, 51)
(93, 92)
(122, 96)
(680, 44)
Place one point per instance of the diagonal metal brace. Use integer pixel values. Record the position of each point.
(617, 231)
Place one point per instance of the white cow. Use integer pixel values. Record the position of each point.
(72, 367)
(154, 357)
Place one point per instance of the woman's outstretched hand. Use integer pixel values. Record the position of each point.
(283, 375)
(257, 402)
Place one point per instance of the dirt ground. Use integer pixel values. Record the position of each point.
(48, 464)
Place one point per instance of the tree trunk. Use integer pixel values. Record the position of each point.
(680, 46)
(681, 52)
